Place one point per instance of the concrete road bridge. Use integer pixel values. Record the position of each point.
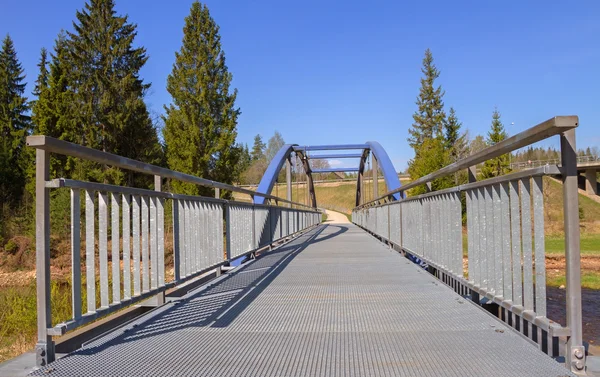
(446, 283)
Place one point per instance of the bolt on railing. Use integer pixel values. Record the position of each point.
(126, 224)
(505, 237)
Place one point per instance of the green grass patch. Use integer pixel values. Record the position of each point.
(589, 280)
(590, 244)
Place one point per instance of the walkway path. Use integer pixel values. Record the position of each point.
(334, 217)
(335, 302)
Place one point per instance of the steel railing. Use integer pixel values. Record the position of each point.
(124, 236)
(504, 234)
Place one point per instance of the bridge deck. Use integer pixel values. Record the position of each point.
(335, 302)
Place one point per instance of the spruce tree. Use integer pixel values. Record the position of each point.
(427, 133)
(15, 125)
(200, 123)
(500, 165)
(258, 149)
(429, 118)
(55, 111)
(455, 141)
(104, 77)
(42, 81)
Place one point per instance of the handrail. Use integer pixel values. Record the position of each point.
(207, 233)
(66, 148)
(505, 237)
(551, 127)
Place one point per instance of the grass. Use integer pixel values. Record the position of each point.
(590, 244)
(589, 280)
(18, 318)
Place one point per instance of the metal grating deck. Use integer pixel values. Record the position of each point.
(334, 302)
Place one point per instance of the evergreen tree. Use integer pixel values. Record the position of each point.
(427, 133)
(14, 125)
(53, 112)
(42, 81)
(455, 141)
(258, 149)
(430, 117)
(499, 165)
(200, 124)
(244, 162)
(108, 93)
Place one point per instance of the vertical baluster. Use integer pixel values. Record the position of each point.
(136, 246)
(160, 229)
(205, 239)
(506, 251)
(197, 252)
(75, 253)
(515, 229)
(103, 247)
(126, 203)
(527, 246)
(115, 248)
(482, 239)
(153, 244)
(458, 233)
(90, 251)
(144, 231)
(177, 240)
(188, 237)
(540, 257)
(499, 291)
(489, 237)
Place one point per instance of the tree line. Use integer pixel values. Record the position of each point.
(89, 91)
(437, 138)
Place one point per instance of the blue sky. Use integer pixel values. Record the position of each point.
(324, 72)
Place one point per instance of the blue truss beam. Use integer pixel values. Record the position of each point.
(335, 170)
(336, 156)
(309, 148)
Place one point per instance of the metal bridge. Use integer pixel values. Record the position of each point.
(391, 294)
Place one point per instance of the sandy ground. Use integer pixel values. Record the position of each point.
(334, 217)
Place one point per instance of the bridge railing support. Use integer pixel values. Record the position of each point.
(504, 265)
(124, 233)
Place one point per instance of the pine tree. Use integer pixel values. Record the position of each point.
(200, 123)
(427, 133)
(104, 77)
(429, 118)
(500, 165)
(258, 149)
(14, 125)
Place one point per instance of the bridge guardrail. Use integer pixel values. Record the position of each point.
(207, 233)
(504, 234)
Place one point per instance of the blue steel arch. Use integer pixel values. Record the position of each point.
(390, 175)
(385, 164)
(268, 179)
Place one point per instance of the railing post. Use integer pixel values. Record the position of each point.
(45, 345)
(575, 352)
